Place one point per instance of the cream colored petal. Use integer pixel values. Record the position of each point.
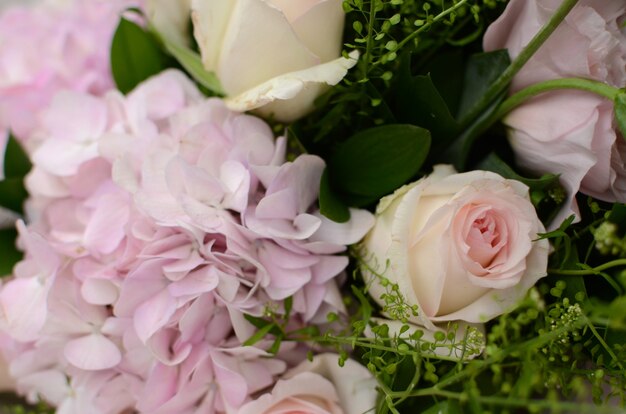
(259, 44)
(321, 29)
(294, 9)
(170, 18)
(210, 21)
(297, 89)
(355, 385)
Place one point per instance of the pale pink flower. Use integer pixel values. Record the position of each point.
(146, 248)
(460, 246)
(571, 133)
(320, 386)
(48, 47)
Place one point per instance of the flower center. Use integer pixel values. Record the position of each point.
(484, 239)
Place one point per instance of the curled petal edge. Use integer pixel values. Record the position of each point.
(288, 85)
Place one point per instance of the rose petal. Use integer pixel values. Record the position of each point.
(304, 84)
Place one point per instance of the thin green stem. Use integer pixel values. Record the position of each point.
(416, 377)
(365, 343)
(476, 366)
(606, 347)
(515, 100)
(503, 81)
(599, 88)
(370, 39)
(513, 402)
(429, 23)
(590, 271)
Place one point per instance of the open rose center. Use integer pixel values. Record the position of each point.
(486, 238)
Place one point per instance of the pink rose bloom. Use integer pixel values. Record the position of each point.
(461, 247)
(570, 133)
(52, 46)
(320, 386)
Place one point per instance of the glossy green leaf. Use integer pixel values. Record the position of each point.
(135, 56)
(481, 71)
(16, 162)
(10, 255)
(330, 205)
(620, 112)
(376, 161)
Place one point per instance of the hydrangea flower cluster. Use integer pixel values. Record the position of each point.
(159, 220)
(52, 46)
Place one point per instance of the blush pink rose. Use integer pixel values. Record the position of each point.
(570, 133)
(459, 246)
(320, 386)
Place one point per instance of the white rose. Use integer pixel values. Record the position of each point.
(459, 246)
(320, 386)
(275, 55)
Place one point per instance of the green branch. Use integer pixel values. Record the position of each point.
(503, 81)
(590, 271)
(599, 88)
(429, 23)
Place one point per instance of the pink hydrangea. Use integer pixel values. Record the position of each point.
(160, 219)
(52, 46)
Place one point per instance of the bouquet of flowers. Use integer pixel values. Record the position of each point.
(313, 206)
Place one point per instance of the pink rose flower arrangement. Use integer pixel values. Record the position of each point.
(571, 133)
(160, 220)
(460, 246)
(52, 46)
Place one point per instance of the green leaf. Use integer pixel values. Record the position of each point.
(415, 100)
(330, 205)
(135, 56)
(288, 304)
(13, 194)
(376, 161)
(275, 345)
(495, 164)
(620, 112)
(261, 323)
(255, 321)
(482, 70)
(16, 162)
(446, 71)
(258, 335)
(192, 63)
(10, 255)
(618, 215)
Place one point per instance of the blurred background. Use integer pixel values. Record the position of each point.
(6, 3)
